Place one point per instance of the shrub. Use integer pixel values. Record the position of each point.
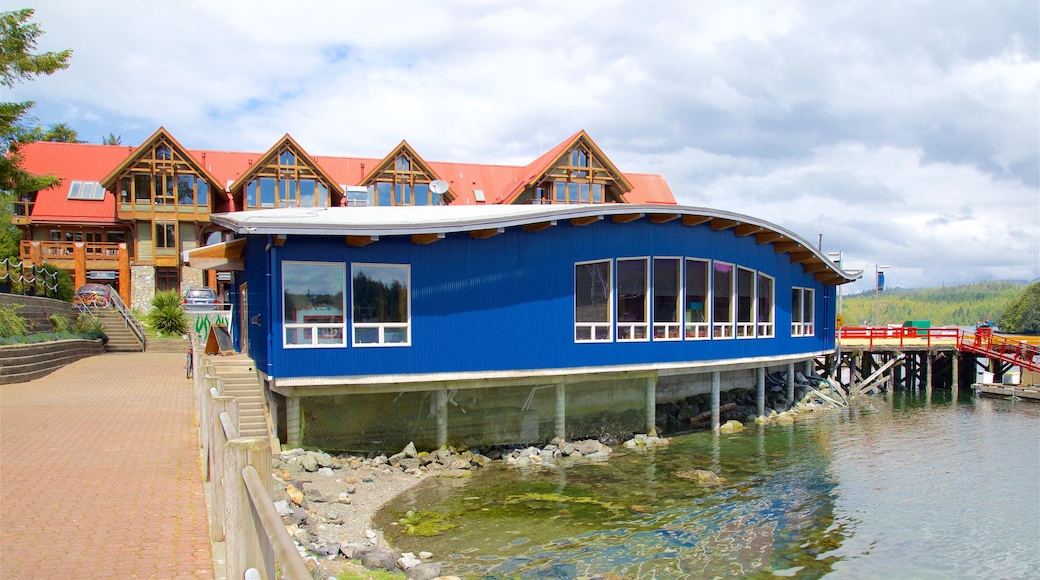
(11, 324)
(167, 317)
(59, 323)
(65, 289)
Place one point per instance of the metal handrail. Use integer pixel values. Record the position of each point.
(129, 320)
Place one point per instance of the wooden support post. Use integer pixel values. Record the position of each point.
(651, 404)
(218, 404)
(442, 418)
(928, 372)
(242, 540)
(36, 254)
(955, 384)
(716, 386)
(853, 371)
(292, 422)
(79, 258)
(560, 424)
(790, 385)
(124, 274)
(227, 405)
(761, 398)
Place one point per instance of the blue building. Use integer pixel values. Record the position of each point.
(373, 326)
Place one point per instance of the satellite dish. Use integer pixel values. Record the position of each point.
(439, 186)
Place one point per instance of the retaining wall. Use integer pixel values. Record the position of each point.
(21, 363)
(35, 309)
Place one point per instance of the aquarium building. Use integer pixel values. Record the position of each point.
(472, 325)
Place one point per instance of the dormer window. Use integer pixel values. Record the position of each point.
(402, 178)
(286, 179)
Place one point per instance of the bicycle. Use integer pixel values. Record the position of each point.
(189, 366)
(92, 300)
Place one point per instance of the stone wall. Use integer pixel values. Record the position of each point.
(678, 387)
(192, 278)
(142, 288)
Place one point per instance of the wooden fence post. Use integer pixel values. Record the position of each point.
(216, 462)
(242, 538)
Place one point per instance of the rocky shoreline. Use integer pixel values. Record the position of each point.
(327, 502)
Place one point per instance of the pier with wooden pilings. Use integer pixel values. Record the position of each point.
(914, 359)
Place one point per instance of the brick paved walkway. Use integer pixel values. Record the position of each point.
(99, 473)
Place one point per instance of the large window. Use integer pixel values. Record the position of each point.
(803, 312)
(286, 180)
(632, 303)
(765, 306)
(667, 305)
(381, 304)
(696, 304)
(592, 294)
(313, 295)
(722, 295)
(745, 303)
(405, 182)
(162, 176)
(578, 177)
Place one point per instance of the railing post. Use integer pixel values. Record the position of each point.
(216, 462)
(242, 538)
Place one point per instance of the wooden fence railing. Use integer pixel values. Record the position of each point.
(243, 515)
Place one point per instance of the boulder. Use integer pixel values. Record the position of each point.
(701, 477)
(424, 571)
(731, 426)
(409, 450)
(379, 559)
(295, 495)
(309, 462)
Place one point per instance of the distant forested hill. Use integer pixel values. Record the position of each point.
(962, 305)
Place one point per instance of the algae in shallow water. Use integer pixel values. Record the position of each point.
(426, 523)
(557, 498)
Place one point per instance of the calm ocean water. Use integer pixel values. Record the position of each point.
(901, 487)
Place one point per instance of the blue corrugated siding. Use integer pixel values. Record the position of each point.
(507, 302)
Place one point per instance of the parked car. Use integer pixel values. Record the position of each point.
(93, 295)
(201, 299)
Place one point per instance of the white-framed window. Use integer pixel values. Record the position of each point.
(745, 303)
(803, 312)
(764, 311)
(381, 304)
(722, 287)
(633, 299)
(313, 300)
(697, 300)
(667, 298)
(593, 295)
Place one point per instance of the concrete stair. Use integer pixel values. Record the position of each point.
(120, 337)
(242, 383)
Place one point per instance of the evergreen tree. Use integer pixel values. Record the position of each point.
(1023, 315)
(17, 64)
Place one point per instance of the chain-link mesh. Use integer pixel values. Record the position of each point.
(475, 417)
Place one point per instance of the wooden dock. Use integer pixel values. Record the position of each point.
(1026, 393)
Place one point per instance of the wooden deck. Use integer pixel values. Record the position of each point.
(1026, 393)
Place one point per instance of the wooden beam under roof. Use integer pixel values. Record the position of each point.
(360, 241)
(694, 220)
(663, 218)
(781, 247)
(829, 278)
(537, 227)
(279, 240)
(768, 237)
(814, 267)
(747, 229)
(719, 224)
(485, 234)
(624, 218)
(426, 238)
(584, 221)
(801, 257)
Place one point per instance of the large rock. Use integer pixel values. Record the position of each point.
(731, 426)
(701, 477)
(309, 462)
(379, 559)
(590, 446)
(424, 571)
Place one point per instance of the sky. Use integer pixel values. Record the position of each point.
(906, 134)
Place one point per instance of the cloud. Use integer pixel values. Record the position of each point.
(905, 133)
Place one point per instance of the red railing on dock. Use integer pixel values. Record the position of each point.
(981, 342)
(1016, 352)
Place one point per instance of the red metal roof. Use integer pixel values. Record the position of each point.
(78, 161)
(72, 162)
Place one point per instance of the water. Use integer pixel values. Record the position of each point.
(903, 487)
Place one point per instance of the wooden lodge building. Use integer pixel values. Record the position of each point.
(396, 299)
